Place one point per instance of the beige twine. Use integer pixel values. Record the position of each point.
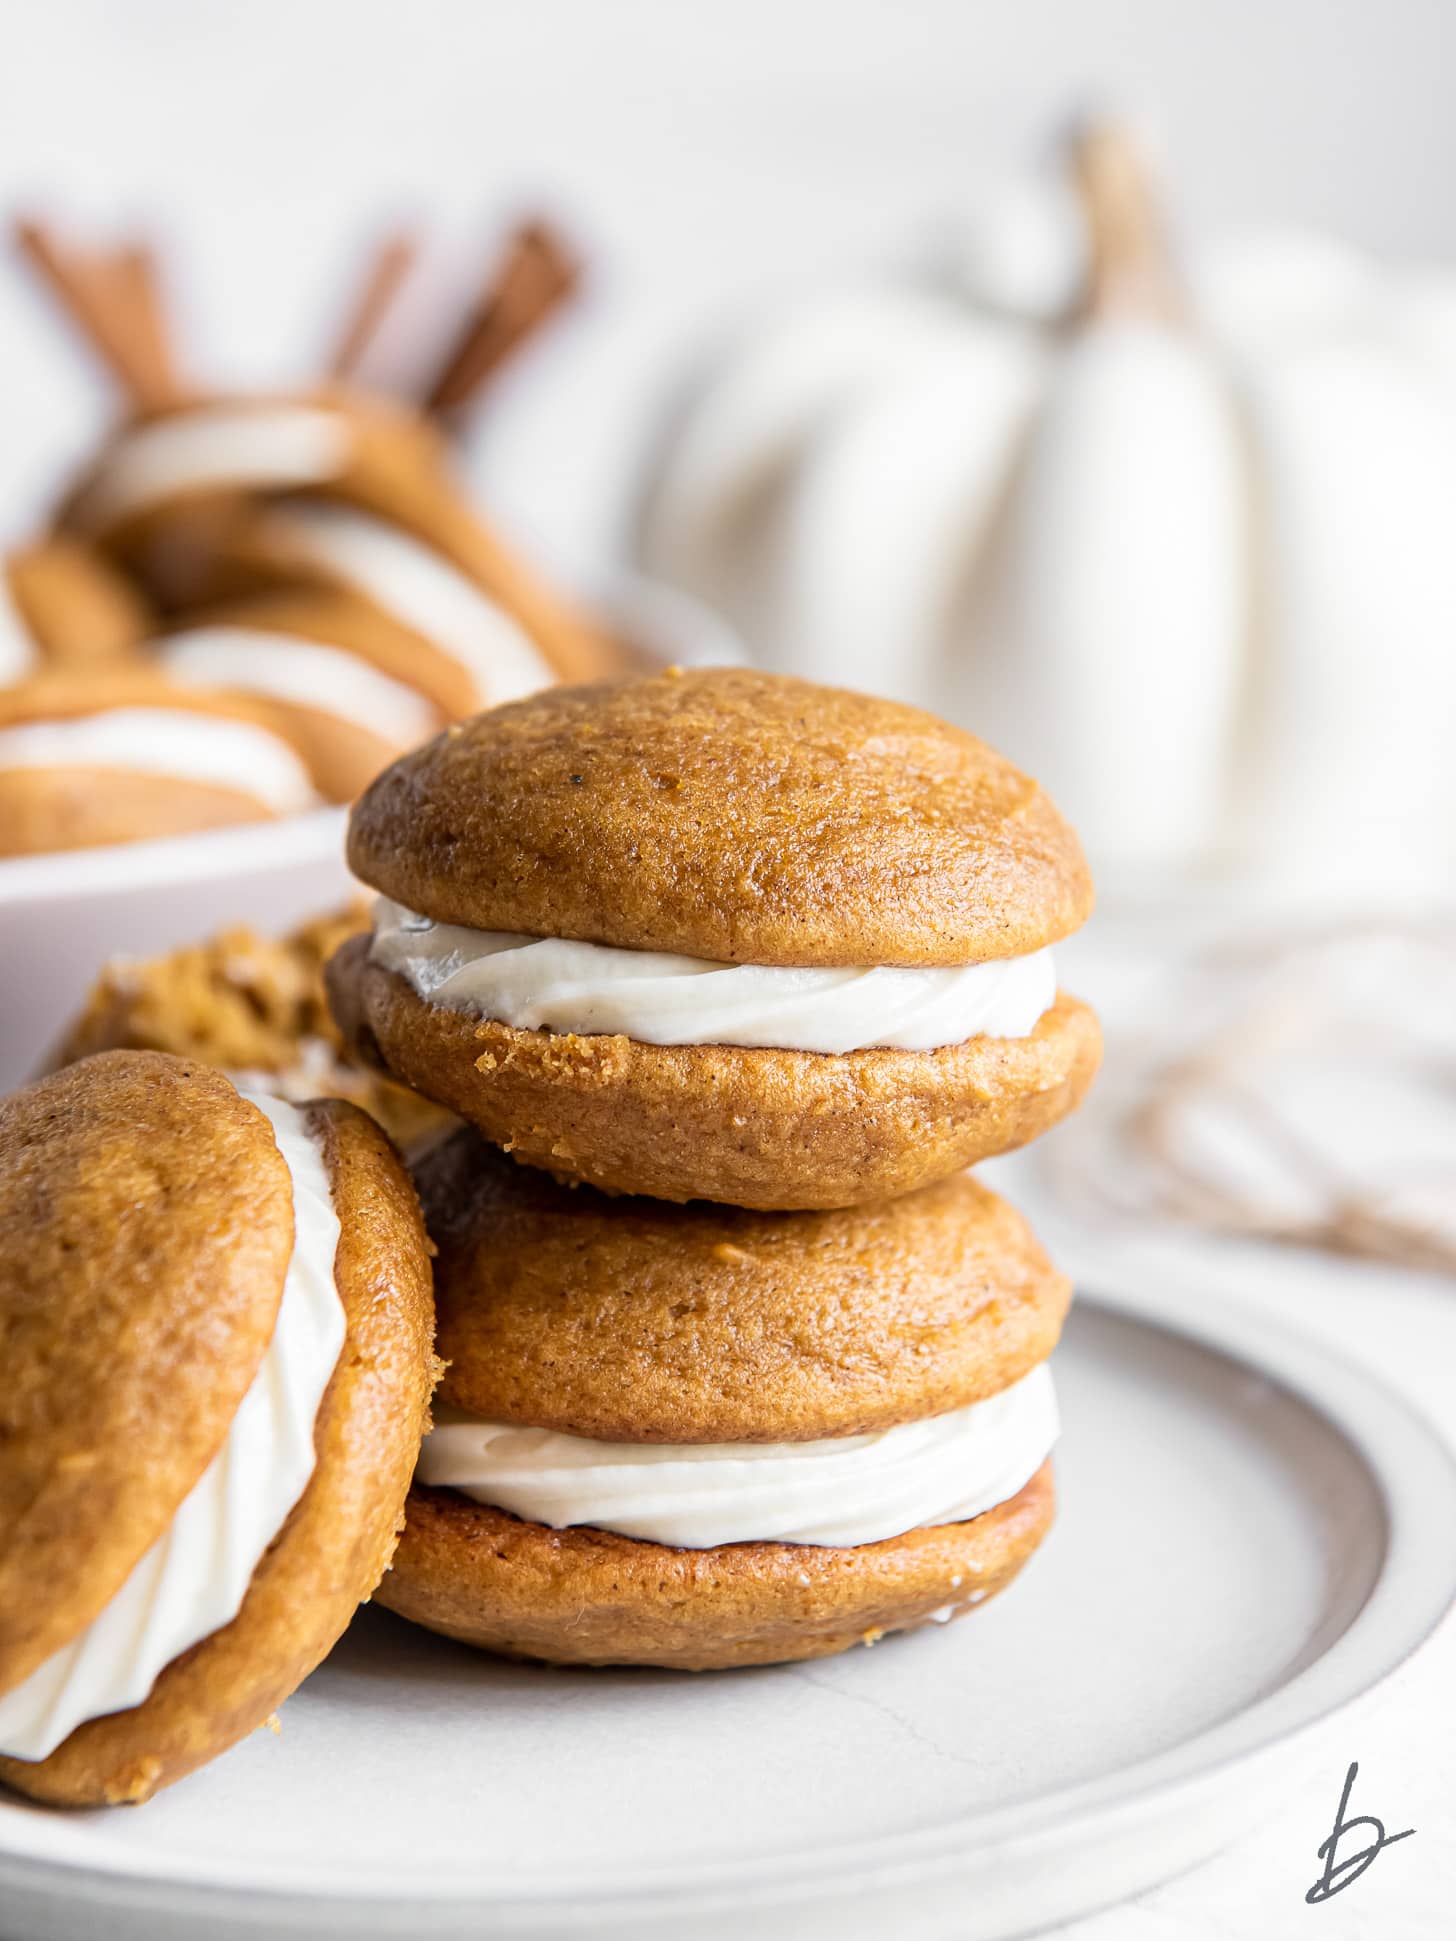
(1280, 1005)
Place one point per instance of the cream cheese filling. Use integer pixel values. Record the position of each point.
(185, 743)
(844, 1490)
(423, 591)
(553, 984)
(288, 667)
(215, 447)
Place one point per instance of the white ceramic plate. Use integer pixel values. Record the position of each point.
(1252, 1534)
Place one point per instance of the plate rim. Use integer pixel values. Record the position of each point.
(1412, 1599)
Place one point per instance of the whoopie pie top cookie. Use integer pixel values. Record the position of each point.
(731, 816)
(62, 604)
(215, 1321)
(721, 935)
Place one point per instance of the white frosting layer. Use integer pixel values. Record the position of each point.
(287, 667)
(843, 1490)
(423, 591)
(548, 983)
(265, 447)
(17, 645)
(190, 746)
(193, 1580)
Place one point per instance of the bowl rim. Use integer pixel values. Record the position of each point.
(120, 869)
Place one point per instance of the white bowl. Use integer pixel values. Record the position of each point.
(63, 916)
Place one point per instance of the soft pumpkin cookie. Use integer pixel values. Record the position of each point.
(633, 1320)
(590, 1597)
(61, 604)
(699, 1437)
(725, 935)
(215, 1319)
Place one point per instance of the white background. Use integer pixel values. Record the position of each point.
(706, 156)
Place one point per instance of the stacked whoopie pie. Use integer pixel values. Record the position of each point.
(755, 969)
(216, 1327)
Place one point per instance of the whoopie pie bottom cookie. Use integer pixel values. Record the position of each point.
(592, 1597)
(216, 1318)
(702, 1437)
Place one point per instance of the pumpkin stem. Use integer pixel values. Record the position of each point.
(1130, 270)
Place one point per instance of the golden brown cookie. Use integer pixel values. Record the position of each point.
(727, 815)
(145, 1227)
(256, 1007)
(630, 1320)
(332, 1547)
(588, 1597)
(638, 1396)
(78, 610)
(755, 1128)
(89, 808)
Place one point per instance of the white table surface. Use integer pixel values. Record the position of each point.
(1402, 1327)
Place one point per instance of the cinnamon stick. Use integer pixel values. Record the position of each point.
(534, 277)
(392, 261)
(137, 279)
(113, 301)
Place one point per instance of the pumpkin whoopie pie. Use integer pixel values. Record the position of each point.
(182, 495)
(721, 935)
(121, 754)
(215, 1325)
(700, 1437)
(351, 684)
(254, 1006)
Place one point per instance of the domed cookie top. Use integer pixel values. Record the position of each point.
(146, 1226)
(728, 815)
(633, 1320)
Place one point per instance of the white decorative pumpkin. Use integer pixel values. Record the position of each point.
(1185, 549)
